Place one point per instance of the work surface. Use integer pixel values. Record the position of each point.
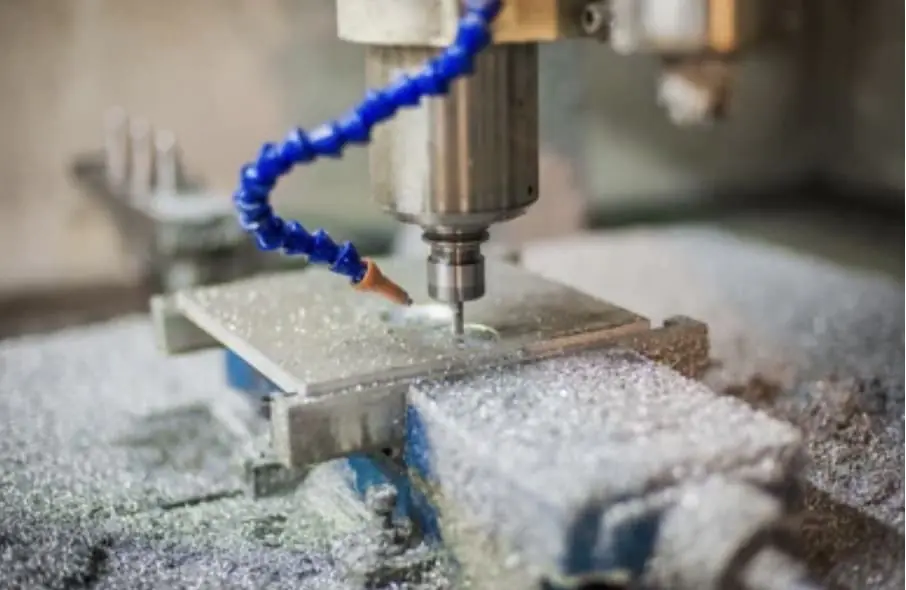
(307, 330)
(115, 464)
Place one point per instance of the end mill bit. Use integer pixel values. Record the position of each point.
(458, 319)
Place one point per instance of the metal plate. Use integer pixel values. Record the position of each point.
(309, 332)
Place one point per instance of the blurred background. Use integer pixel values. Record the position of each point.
(810, 155)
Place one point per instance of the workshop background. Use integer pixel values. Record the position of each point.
(812, 154)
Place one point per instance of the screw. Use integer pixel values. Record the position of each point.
(596, 19)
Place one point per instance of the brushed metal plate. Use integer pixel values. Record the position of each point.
(308, 332)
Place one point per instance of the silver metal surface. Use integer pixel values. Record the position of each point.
(460, 162)
(306, 431)
(455, 271)
(459, 327)
(309, 332)
(465, 160)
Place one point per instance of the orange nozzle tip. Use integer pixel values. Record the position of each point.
(374, 281)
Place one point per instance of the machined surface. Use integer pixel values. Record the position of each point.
(310, 332)
(519, 451)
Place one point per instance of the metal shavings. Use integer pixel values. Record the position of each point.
(519, 449)
(829, 340)
(808, 326)
(115, 472)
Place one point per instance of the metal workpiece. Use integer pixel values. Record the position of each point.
(308, 332)
(565, 468)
